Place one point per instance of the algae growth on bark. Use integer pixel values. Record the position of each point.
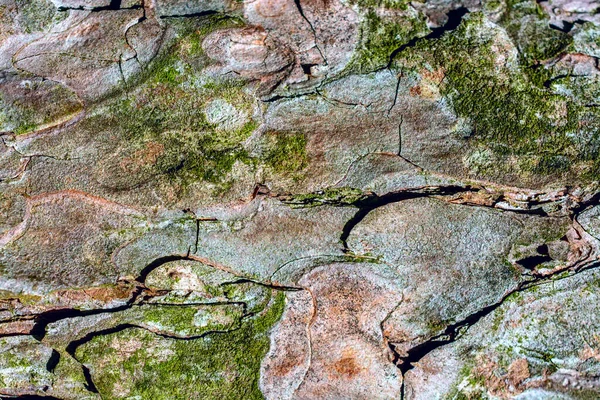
(299, 199)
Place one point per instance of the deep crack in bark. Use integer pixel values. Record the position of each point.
(456, 330)
(312, 28)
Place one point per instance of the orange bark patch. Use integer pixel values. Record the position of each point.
(347, 365)
(17, 327)
(415, 90)
(292, 360)
(147, 156)
(518, 371)
(434, 76)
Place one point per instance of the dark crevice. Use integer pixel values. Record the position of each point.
(580, 207)
(372, 202)
(287, 97)
(89, 382)
(48, 317)
(543, 249)
(396, 98)
(531, 262)
(402, 388)
(263, 284)
(53, 361)
(565, 28)
(312, 28)
(71, 349)
(450, 334)
(141, 278)
(306, 68)
(72, 346)
(113, 6)
(456, 330)
(197, 235)
(45, 318)
(455, 17)
(352, 222)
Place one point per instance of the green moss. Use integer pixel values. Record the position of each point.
(523, 127)
(15, 359)
(381, 35)
(389, 4)
(468, 385)
(367, 257)
(528, 26)
(22, 298)
(165, 71)
(165, 113)
(220, 366)
(171, 116)
(167, 110)
(192, 321)
(185, 56)
(288, 153)
(38, 15)
(587, 40)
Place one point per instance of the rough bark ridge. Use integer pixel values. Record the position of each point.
(298, 199)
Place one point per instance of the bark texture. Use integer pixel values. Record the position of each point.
(300, 199)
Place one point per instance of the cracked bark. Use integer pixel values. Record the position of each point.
(457, 330)
(404, 363)
(312, 28)
(474, 194)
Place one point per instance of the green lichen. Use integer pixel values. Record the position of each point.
(381, 35)
(172, 117)
(220, 366)
(189, 320)
(185, 56)
(22, 362)
(521, 126)
(587, 40)
(287, 155)
(160, 119)
(468, 385)
(389, 4)
(38, 15)
(528, 26)
(21, 297)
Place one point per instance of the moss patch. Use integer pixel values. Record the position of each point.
(135, 362)
(287, 152)
(529, 28)
(520, 125)
(166, 112)
(38, 15)
(382, 33)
